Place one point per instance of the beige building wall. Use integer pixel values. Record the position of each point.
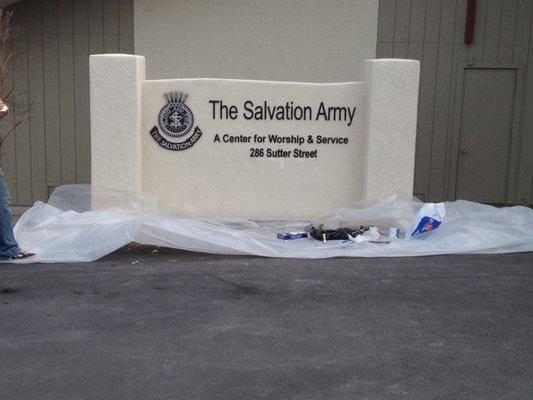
(297, 40)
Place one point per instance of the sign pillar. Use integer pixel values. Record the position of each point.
(391, 126)
(116, 113)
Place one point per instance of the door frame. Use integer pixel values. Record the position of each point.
(514, 146)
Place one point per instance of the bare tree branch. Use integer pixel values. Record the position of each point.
(18, 102)
(4, 137)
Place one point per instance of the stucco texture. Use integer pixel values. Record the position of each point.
(115, 122)
(226, 178)
(391, 130)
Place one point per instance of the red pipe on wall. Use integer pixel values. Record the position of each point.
(470, 21)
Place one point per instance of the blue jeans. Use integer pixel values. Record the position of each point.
(8, 245)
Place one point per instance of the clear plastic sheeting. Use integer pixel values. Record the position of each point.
(64, 230)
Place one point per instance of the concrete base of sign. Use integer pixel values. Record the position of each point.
(131, 146)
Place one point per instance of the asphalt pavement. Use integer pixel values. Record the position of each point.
(145, 324)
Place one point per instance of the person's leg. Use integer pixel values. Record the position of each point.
(8, 245)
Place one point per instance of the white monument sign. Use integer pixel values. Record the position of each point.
(252, 149)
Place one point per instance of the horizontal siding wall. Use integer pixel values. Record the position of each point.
(49, 80)
(432, 31)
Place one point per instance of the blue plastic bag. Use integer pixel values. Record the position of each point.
(428, 218)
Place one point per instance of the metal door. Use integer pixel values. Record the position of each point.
(486, 132)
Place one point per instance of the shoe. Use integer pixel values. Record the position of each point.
(22, 255)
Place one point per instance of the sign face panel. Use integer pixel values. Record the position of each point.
(253, 149)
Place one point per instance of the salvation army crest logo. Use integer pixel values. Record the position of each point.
(175, 120)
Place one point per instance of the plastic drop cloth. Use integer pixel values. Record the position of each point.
(64, 230)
